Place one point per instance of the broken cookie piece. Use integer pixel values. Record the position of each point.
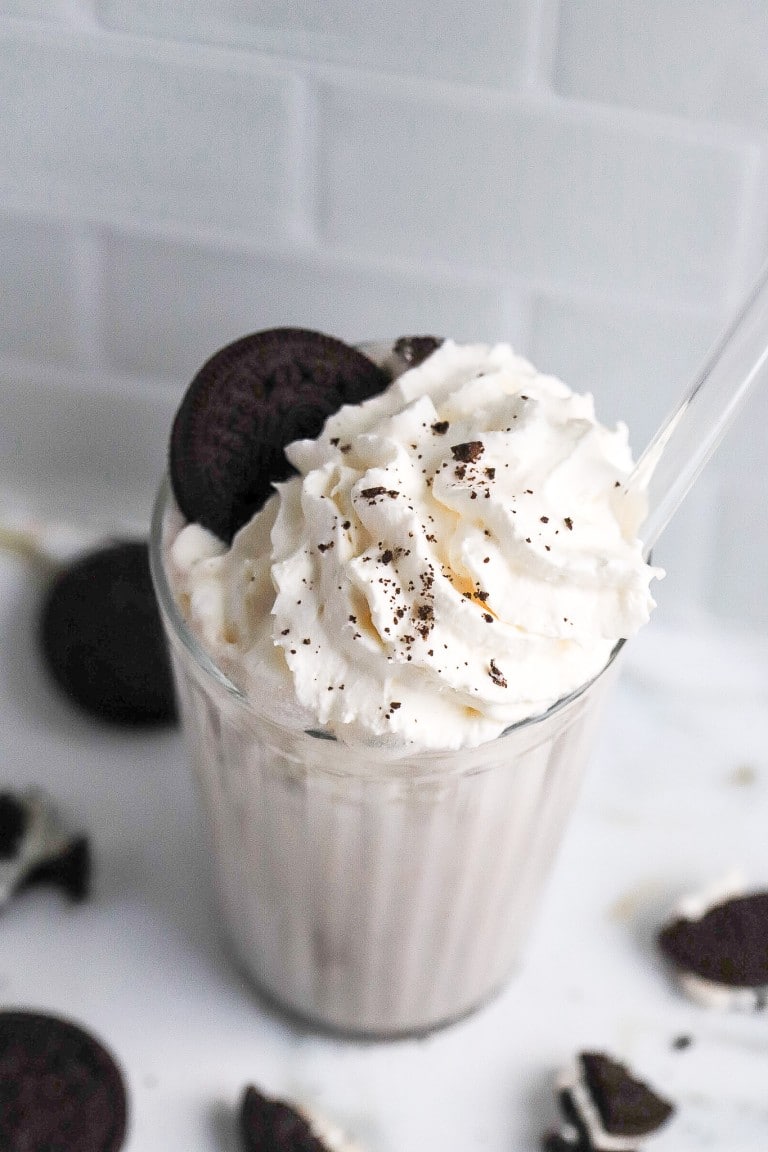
(268, 1125)
(35, 848)
(717, 943)
(606, 1109)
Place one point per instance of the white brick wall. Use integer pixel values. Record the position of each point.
(632, 357)
(450, 41)
(704, 61)
(553, 195)
(149, 132)
(589, 180)
(38, 290)
(228, 292)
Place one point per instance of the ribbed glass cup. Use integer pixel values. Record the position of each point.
(367, 892)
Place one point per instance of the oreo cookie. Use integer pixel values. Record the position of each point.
(102, 637)
(605, 1108)
(60, 1089)
(35, 848)
(718, 946)
(268, 1125)
(242, 408)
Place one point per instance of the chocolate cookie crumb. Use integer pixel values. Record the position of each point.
(468, 452)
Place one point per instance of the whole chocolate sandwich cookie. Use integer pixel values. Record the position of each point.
(36, 849)
(245, 404)
(605, 1108)
(268, 1125)
(102, 638)
(60, 1089)
(717, 943)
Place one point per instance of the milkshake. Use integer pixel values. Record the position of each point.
(389, 678)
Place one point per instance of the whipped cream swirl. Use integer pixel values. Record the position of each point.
(455, 555)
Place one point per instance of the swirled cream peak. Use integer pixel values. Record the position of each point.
(453, 556)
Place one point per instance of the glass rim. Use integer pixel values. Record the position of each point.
(171, 613)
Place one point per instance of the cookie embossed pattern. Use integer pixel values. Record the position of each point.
(60, 1088)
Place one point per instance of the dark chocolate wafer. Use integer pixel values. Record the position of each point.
(268, 1125)
(242, 408)
(60, 1089)
(726, 945)
(102, 637)
(627, 1106)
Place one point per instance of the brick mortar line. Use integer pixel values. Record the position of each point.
(751, 246)
(518, 312)
(81, 14)
(61, 34)
(304, 226)
(339, 259)
(541, 46)
(241, 244)
(85, 253)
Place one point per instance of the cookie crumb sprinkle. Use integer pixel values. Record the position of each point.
(468, 452)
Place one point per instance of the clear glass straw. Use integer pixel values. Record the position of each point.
(685, 441)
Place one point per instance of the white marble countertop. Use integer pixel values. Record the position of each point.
(677, 795)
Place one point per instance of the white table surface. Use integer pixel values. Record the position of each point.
(677, 794)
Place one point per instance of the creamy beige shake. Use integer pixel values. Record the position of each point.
(396, 726)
